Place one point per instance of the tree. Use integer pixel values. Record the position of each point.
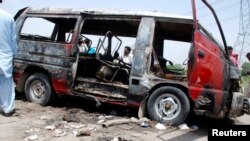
(245, 69)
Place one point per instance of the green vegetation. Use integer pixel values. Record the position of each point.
(245, 73)
(177, 68)
(245, 69)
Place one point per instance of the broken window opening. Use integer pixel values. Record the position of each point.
(57, 29)
(109, 37)
(171, 40)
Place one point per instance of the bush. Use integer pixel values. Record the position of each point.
(245, 69)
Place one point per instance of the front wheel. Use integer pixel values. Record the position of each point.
(168, 105)
(38, 89)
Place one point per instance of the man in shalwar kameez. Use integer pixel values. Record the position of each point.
(8, 47)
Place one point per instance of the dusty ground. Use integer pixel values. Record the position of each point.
(65, 117)
(75, 115)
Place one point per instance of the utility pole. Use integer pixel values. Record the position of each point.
(243, 40)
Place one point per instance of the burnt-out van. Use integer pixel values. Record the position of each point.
(49, 62)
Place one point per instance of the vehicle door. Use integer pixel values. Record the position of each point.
(207, 68)
(142, 56)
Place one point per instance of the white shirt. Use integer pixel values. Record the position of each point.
(128, 58)
(83, 48)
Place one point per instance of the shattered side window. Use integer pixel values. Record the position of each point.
(172, 43)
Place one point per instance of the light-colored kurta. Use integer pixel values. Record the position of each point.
(8, 47)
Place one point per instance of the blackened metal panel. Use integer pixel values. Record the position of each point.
(59, 59)
(143, 46)
(142, 55)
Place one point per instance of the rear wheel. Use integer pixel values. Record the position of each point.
(38, 89)
(168, 105)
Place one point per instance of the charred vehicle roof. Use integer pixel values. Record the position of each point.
(168, 23)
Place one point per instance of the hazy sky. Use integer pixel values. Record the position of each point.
(228, 10)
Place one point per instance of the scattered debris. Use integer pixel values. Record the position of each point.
(160, 126)
(92, 128)
(67, 127)
(81, 133)
(133, 119)
(115, 122)
(104, 139)
(108, 117)
(50, 127)
(59, 133)
(31, 138)
(101, 121)
(45, 118)
(183, 126)
(111, 139)
(118, 139)
(144, 119)
(101, 117)
(32, 130)
(77, 125)
(71, 118)
(144, 124)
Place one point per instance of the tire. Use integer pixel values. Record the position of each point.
(38, 89)
(175, 102)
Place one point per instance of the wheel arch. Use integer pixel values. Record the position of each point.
(176, 85)
(28, 72)
(181, 92)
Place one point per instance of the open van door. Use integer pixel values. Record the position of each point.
(207, 70)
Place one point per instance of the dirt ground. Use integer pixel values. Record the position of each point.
(66, 117)
(76, 119)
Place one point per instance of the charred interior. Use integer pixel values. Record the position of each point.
(105, 68)
(102, 73)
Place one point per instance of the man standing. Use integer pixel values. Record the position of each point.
(8, 48)
(127, 57)
(233, 56)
